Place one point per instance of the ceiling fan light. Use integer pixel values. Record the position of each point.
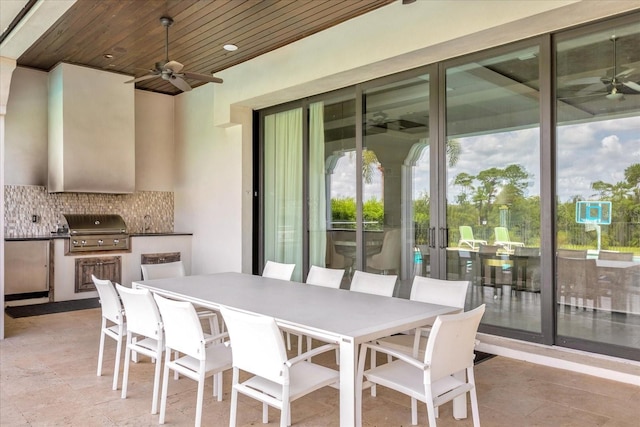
(615, 95)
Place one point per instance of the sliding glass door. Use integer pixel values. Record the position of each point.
(516, 169)
(395, 177)
(598, 187)
(493, 191)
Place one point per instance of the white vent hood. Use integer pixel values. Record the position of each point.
(91, 131)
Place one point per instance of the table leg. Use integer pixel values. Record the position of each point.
(348, 385)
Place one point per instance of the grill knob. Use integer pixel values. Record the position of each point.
(116, 241)
(83, 242)
(100, 242)
(75, 243)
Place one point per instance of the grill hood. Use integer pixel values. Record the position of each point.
(95, 224)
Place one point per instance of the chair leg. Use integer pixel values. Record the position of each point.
(116, 369)
(219, 385)
(101, 349)
(414, 411)
(431, 410)
(125, 373)
(156, 379)
(165, 387)
(373, 365)
(200, 397)
(234, 399)
(474, 398)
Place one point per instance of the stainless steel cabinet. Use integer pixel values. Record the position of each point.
(26, 266)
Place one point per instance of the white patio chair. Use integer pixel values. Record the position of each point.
(258, 348)
(113, 323)
(327, 277)
(278, 270)
(452, 293)
(168, 270)
(145, 335)
(203, 355)
(440, 376)
(377, 284)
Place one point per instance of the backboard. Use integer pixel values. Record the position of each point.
(591, 212)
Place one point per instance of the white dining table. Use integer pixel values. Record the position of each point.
(332, 315)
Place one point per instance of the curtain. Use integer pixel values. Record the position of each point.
(283, 189)
(317, 187)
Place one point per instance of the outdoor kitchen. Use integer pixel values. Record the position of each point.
(79, 234)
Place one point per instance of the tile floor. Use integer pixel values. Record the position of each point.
(48, 377)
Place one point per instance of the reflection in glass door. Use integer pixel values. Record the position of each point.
(395, 178)
(597, 188)
(493, 192)
(332, 184)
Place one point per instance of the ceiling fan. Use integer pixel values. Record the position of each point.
(171, 71)
(616, 85)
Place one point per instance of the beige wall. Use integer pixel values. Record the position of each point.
(155, 153)
(208, 183)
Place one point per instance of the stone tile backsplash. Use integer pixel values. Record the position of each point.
(21, 202)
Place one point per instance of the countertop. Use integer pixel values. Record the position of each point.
(53, 236)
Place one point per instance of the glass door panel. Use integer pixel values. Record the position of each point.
(395, 177)
(597, 187)
(493, 192)
(332, 184)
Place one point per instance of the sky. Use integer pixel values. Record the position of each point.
(588, 152)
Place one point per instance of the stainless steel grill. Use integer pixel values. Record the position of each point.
(97, 233)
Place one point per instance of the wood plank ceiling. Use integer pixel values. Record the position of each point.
(131, 32)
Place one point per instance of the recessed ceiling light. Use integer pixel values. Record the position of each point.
(108, 56)
(230, 47)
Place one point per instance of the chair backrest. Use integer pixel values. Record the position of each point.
(277, 270)
(572, 253)
(488, 249)
(450, 344)
(109, 300)
(327, 277)
(579, 274)
(182, 329)
(389, 256)
(528, 252)
(437, 291)
(501, 234)
(377, 284)
(162, 271)
(256, 344)
(615, 256)
(143, 316)
(466, 232)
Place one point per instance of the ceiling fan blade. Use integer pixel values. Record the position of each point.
(174, 66)
(179, 83)
(625, 72)
(633, 85)
(599, 87)
(139, 79)
(202, 77)
(583, 81)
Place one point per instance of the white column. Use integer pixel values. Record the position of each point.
(7, 65)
